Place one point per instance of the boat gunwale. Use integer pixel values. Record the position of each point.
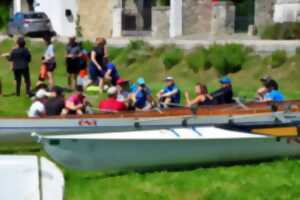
(204, 111)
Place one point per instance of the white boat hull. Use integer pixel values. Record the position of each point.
(163, 148)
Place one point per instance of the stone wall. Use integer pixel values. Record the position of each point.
(223, 20)
(197, 16)
(96, 17)
(264, 10)
(160, 22)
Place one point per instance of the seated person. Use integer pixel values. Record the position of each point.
(123, 91)
(37, 109)
(112, 104)
(225, 94)
(142, 97)
(170, 95)
(261, 92)
(56, 103)
(272, 94)
(203, 98)
(76, 103)
(112, 74)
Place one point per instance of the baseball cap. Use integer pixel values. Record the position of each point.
(225, 80)
(112, 91)
(140, 81)
(121, 81)
(169, 78)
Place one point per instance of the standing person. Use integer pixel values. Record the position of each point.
(49, 60)
(20, 58)
(225, 94)
(202, 98)
(170, 95)
(97, 67)
(73, 54)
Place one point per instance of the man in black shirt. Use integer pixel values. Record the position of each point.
(56, 104)
(225, 94)
(20, 58)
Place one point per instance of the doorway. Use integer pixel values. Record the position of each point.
(244, 15)
(136, 17)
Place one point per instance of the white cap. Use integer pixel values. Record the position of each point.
(112, 91)
(169, 78)
(41, 94)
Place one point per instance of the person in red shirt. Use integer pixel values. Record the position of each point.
(112, 104)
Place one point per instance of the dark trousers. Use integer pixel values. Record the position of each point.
(18, 77)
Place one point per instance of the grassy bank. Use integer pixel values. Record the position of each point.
(270, 180)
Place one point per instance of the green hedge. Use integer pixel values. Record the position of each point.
(198, 59)
(4, 15)
(172, 57)
(281, 31)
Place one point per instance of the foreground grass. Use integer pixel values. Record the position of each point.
(271, 180)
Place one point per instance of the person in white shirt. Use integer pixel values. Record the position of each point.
(37, 109)
(49, 60)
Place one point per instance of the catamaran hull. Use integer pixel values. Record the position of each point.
(187, 147)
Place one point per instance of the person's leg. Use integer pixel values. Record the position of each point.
(18, 80)
(50, 79)
(26, 76)
(101, 85)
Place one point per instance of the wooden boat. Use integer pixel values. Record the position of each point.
(283, 114)
(160, 148)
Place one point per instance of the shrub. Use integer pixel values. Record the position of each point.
(172, 57)
(216, 58)
(113, 52)
(4, 16)
(235, 56)
(88, 45)
(198, 59)
(278, 58)
(279, 31)
(228, 58)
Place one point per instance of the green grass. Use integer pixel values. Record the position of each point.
(269, 180)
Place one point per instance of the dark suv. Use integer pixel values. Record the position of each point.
(30, 24)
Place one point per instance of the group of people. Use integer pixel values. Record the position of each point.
(94, 68)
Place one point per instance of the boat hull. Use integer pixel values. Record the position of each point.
(187, 147)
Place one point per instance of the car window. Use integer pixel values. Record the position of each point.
(35, 16)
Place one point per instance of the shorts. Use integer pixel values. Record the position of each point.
(73, 66)
(95, 73)
(50, 67)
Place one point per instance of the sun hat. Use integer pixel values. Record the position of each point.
(225, 80)
(112, 91)
(42, 94)
(169, 78)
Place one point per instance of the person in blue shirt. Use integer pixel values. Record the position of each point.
(112, 74)
(272, 95)
(142, 95)
(170, 95)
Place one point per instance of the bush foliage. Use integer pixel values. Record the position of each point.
(227, 58)
(198, 59)
(281, 31)
(278, 58)
(172, 57)
(4, 15)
